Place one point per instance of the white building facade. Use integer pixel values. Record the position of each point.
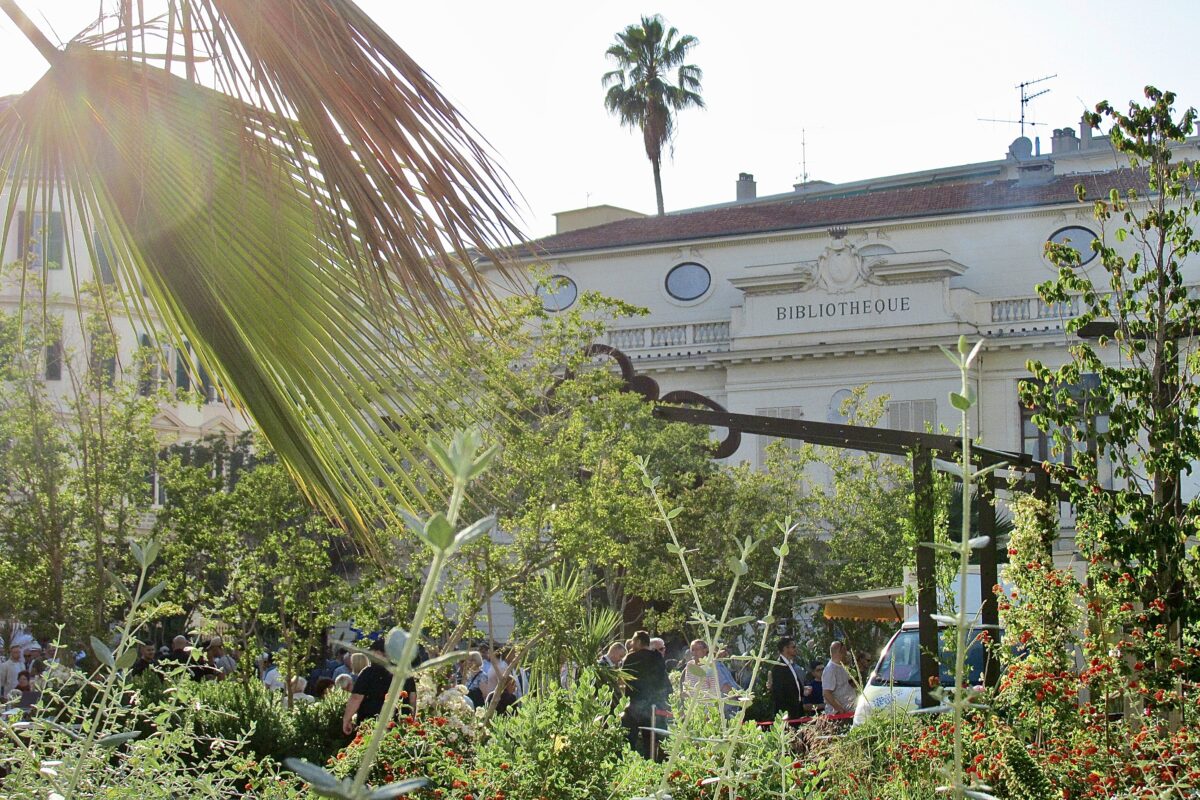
(43, 242)
(781, 305)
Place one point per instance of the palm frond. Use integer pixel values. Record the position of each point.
(310, 230)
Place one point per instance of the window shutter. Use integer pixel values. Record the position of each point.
(782, 412)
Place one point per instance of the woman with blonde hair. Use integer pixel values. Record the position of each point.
(358, 662)
(474, 678)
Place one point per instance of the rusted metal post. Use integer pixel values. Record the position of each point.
(923, 520)
(989, 577)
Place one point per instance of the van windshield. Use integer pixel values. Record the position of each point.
(900, 664)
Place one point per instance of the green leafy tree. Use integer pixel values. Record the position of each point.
(75, 492)
(733, 503)
(113, 446)
(35, 515)
(1139, 413)
(566, 490)
(651, 84)
(284, 586)
(193, 528)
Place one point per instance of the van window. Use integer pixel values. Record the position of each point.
(900, 664)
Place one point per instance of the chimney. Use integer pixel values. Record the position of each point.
(1064, 141)
(1085, 133)
(747, 189)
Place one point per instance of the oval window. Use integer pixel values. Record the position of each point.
(1079, 239)
(688, 281)
(558, 294)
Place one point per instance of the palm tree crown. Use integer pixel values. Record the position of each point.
(651, 83)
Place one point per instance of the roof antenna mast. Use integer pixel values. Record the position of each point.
(1026, 97)
(803, 157)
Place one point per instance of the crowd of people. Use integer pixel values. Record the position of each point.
(639, 668)
(797, 692)
(25, 672)
(801, 692)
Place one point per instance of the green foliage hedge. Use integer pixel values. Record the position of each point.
(228, 710)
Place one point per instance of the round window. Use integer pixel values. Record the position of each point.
(1078, 239)
(688, 281)
(558, 294)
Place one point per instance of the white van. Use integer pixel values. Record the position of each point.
(895, 683)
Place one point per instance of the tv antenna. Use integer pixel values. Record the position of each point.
(803, 157)
(1022, 123)
(1026, 96)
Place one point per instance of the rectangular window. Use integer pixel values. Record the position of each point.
(158, 487)
(40, 243)
(103, 266)
(1041, 445)
(183, 375)
(782, 412)
(208, 390)
(54, 361)
(917, 416)
(149, 363)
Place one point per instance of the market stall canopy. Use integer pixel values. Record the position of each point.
(874, 605)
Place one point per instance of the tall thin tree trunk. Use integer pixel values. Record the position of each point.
(658, 185)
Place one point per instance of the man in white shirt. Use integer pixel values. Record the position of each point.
(835, 681)
(271, 677)
(10, 669)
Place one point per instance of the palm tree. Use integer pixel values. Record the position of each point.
(650, 84)
(277, 185)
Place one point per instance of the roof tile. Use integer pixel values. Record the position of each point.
(819, 212)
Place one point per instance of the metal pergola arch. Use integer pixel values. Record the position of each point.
(922, 448)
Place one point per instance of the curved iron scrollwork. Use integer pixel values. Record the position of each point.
(648, 388)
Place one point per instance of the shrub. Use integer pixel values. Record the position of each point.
(233, 710)
(413, 747)
(1042, 618)
(707, 758)
(316, 728)
(254, 714)
(566, 744)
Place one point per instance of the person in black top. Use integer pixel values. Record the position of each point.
(508, 697)
(786, 691)
(145, 659)
(369, 692)
(814, 692)
(371, 688)
(647, 687)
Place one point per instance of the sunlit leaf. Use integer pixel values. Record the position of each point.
(115, 739)
(102, 652)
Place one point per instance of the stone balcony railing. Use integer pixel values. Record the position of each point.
(649, 341)
(1025, 315)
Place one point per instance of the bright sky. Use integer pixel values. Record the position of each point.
(874, 87)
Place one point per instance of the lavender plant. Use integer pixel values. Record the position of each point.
(729, 777)
(461, 460)
(959, 698)
(90, 736)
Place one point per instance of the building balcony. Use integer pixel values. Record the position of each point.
(1023, 316)
(665, 341)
